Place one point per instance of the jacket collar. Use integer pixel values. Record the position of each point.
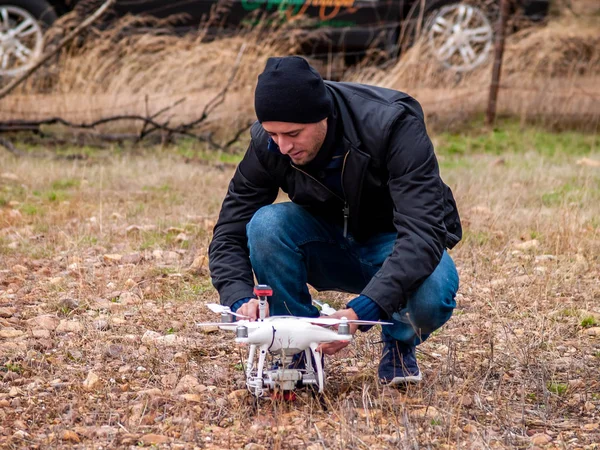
(350, 136)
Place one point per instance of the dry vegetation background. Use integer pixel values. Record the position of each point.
(550, 73)
(103, 269)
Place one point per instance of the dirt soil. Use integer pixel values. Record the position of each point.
(103, 274)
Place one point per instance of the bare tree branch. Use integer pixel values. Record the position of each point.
(10, 147)
(73, 34)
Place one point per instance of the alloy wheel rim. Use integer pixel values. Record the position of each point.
(21, 40)
(460, 37)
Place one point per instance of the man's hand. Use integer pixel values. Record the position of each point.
(334, 347)
(251, 310)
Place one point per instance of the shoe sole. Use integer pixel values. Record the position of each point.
(412, 379)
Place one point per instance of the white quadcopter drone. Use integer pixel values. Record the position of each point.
(283, 337)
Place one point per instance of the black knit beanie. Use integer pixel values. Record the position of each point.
(291, 90)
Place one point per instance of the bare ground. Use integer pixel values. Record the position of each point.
(103, 273)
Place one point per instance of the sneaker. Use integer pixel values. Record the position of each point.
(398, 364)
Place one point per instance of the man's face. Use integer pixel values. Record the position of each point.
(300, 141)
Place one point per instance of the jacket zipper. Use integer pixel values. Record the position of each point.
(346, 209)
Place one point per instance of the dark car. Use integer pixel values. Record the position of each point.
(460, 32)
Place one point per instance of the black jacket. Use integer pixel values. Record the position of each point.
(390, 180)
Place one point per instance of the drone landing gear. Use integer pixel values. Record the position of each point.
(282, 379)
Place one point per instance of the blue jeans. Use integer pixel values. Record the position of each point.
(289, 247)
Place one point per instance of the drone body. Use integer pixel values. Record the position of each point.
(282, 337)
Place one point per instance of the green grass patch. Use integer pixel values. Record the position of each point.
(567, 193)
(201, 288)
(569, 312)
(10, 367)
(510, 137)
(478, 238)
(557, 388)
(56, 196)
(589, 321)
(64, 184)
(191, 149)
(30, 209)
(162, 188)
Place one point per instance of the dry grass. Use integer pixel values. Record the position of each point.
(516, 367)
(550, 74)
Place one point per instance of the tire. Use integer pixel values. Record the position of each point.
(435, 22)
(22, 24)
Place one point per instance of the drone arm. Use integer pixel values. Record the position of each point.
(250, 362)
(261, 360)
(319, 364)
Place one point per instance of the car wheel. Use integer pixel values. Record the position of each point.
(22, 23)
(460, 36)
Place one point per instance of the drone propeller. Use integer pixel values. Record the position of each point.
(329, 321)
(326, 310)
(219, 309)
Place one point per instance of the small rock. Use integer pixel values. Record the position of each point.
(128, 298)
(112, 258)
(594, 331)
(238, 395)
(9, 176)
(182, 237)
(40, 333)
(129, 283)
(114, 350)
(209, 329)
(470, 428)
(588, 162)
(75, 354)
(198, 263)
(589, 406)
(521, 280)
(154, 392)
(150, 336)
(540, 439)
(45, 322)
(68, 303)
(106, 430)
(101, 325)
(20, 434)
(55, 280)
(527, 245)
(430, 412)
(15, 214)
(131, 258)
(169, 380)
(69, 326)
(10, 376)
(591, 426)
(154, 439)
(187, 384)
(180, 357)
(540, 258)
(7, 312)
(17, 268)
(92, 380)
(70, 436)
(8, 333)
(192, 398)
(253, 446)
(14, 392)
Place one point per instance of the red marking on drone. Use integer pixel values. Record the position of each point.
(263, 290)
(286, 396)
